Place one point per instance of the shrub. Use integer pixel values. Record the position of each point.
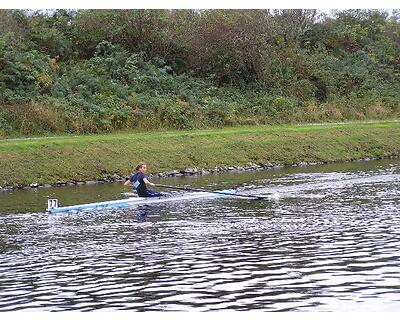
(99, 71)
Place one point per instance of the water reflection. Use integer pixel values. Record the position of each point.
(145, 212)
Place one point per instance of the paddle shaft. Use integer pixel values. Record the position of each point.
(211, 191)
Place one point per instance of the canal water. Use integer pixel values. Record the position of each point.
(328, 240)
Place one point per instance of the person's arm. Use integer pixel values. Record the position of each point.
(148, 182)
(128, 183)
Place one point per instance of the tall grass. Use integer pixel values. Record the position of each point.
(36, 118)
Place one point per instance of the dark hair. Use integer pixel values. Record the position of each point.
(140, 164)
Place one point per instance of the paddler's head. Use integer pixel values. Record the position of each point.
(141, 167)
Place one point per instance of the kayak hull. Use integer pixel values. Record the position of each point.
(129, 202)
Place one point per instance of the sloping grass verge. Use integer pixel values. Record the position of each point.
(94, 157)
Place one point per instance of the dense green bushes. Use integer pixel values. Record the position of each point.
(105, 70)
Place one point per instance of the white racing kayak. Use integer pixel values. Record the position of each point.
(52, 204)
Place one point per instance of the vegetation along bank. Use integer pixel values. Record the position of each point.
(60, 160)
(97, 71)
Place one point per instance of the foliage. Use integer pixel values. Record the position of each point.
(103, 70)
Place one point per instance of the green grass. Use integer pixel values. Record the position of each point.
(66, 158)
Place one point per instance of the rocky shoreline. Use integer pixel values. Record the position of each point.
(179, 173)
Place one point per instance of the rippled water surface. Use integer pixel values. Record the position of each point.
(329, 240)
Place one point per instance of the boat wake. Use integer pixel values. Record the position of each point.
(318, 185)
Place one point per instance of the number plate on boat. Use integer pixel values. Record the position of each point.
(52, 204)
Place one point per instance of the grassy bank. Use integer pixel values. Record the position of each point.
(67, 158)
